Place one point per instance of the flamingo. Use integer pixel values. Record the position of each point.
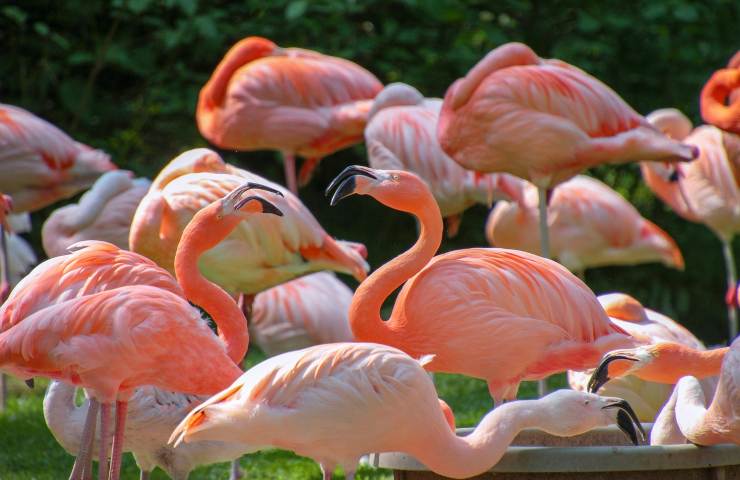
(496, 314)
(41, 164)
(270, 250)
(646, 326)
(307, 311)
(704, 191)
(405, 123)
(114, 340)
(103, 213)
(337, 402)
(297, 101)
(543, 121)
(724, 84)
(6, 205)
(590, 225)
(701, 424)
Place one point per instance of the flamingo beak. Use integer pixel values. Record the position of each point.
(627, 421)
(344, 184)
(601, 374)
(267, 207)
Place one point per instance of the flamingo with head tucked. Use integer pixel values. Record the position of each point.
(496, 314)
(405, 123)
(722, 86)
(40, 163)
(543, 121)
(705, 191)
(298, 101)
(590, 225)
(335, 403)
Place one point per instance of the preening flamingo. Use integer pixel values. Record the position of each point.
(723, 86)
(41, 164)
(260, 253)
(543, 121)
(307, 311)
(115, 340)
(706, 190)
(590, 225)
(496, 314)
(700, 424)
(103, 213)
(406, 124)
(646, 326)
(298, 101)
(335, 403)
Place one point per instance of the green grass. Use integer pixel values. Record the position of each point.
(29, 452)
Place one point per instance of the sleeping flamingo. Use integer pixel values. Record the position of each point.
(297, 101)
(590, 225)
(103, 213)
(723, 85)
(405, 123)
(704, 191)
(496, 314)
(114, 340)
(543, 121)
(40, 163)
(335, 403)
(698, 423)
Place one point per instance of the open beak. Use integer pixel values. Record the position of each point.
(267, 207)
(235, 197)
(601, 374)
(344, 183)
(627, 421)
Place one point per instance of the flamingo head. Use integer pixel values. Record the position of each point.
(619, 363)
(237, 205)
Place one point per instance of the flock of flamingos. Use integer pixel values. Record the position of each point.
(113, 308)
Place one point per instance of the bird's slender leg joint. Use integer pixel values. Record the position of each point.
(731, 283)
(4, 268)
(84, 456)
(115, 466)
(87, 473)
(290, 176)
(104, 448)
(3, 392)
(544, 196)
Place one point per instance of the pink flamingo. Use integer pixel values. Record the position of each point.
(646, 326)
(496, 314)
(704, 191)
(590, 225)
(115, 340)
(297, 101)
(698, 423)
(103, 213)
(307, 311)
(271, 250)
(543, 121)
(335, 403)
(724, 84)
(41, 164)
(6, 206)
(405, 123)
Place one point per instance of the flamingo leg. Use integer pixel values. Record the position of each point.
(4, 279)
(236, 472)
(84, 456)
(731, 283)
(143, 475)
(544, 252)
(115, 466)
(3, 392)
(87, 473)
(245, 302)
(103, 457)
(290, 176)
(307, 169)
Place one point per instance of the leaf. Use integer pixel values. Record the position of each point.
(295, 9)
(15, 13)
(41, 28)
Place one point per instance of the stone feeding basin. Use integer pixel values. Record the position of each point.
(601, 454)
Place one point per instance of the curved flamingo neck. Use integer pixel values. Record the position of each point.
(364, 313)
(198, 237)
(675, 362)
(713, 96)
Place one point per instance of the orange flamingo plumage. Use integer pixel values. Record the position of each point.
(41, 164)
(117, 339)
(590, 225)
(261, 96)
(405, 123)
(722, 86)
(496, 314)
(335, 403)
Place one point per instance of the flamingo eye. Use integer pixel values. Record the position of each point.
(219, 216)
(396, 177)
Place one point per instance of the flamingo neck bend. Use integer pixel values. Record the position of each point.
(199, 236)
(364, 313)
(676, 362)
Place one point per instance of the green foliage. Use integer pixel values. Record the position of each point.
(124, 75)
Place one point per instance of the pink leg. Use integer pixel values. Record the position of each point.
(84, 456)
(307, 169)
(290, 179)
(245, 303)
(453, 225)
(115, 466)
(4, 281)
(87, 473)
(103, 456)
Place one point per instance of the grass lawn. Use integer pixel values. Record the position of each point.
(29, 452)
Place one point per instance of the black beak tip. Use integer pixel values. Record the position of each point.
(30, 383)
(269, 208)
(259, 186)
(625, 424)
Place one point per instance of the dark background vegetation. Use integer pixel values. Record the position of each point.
(124, 76)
